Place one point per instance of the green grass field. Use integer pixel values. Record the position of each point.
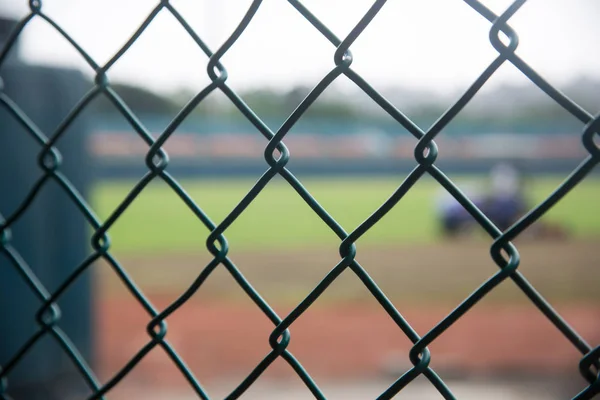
(158, 221)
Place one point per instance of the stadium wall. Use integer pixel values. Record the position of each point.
(332, 148)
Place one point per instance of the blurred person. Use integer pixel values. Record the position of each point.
(455, 219)
(502, 201)
(505, 203)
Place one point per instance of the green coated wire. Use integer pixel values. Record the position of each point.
(277, 156)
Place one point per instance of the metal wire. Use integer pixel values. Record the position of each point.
(277, 156)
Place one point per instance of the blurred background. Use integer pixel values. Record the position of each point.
(508, 150)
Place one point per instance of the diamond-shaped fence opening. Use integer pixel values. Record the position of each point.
(46, 321)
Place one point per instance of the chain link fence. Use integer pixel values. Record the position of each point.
(276, 156)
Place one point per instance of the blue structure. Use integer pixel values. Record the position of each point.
(50, 235)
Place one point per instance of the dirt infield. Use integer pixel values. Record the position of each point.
(223, 343)
(346, 335)
(563, 271)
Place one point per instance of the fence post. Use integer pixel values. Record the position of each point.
(51, 236)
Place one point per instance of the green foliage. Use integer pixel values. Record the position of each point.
(508, 109)
(140, 100)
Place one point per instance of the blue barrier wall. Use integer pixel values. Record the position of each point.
(51, 236)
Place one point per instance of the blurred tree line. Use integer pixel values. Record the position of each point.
(501, 108)
(264, 102)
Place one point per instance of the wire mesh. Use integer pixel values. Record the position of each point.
(277, 155)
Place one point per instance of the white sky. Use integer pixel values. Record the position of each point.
(415, 43)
